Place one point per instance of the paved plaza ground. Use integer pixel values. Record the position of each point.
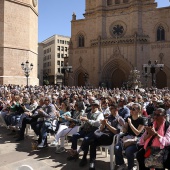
(14, 154)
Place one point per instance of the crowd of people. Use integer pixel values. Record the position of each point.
(139, 117)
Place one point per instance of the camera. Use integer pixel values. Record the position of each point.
(147, 121)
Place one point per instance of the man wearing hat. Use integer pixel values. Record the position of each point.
(91, 123)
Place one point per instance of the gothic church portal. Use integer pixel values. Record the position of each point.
(117, 36)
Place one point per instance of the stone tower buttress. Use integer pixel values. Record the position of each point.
(19, 40)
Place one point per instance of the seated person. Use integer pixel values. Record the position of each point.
(71, 128)
(30, 118)
(133, 128)
(28, 109)
(21, 105)
(108, 128)
(105, 108)
(156, 135)
(47, 113)
(91, 123)
(62, 122)
(123, 109)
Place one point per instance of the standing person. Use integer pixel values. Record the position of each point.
(91, 123)
(108, 128)
(158, 135)
(133, 127)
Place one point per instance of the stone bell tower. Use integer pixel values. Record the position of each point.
(18, 40)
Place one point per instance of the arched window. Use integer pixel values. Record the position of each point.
(125, 1)
(117, 1)
(160, 33)
(109, 2)
(81, 40)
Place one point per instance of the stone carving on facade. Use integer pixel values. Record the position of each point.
(80, 60)
(160, 46)
(116, 52)
(80, 51)
(121, 40)
(161, 56)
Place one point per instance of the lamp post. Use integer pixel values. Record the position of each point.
(152, 68)
(45, 79)
(27, 68)
(66, 69)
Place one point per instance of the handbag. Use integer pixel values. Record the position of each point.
(167, 157)
(155, 159)
(129, 140)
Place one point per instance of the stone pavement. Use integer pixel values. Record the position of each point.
(14, 154)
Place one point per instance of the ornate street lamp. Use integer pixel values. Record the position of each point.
(152, 68)
(27, 69)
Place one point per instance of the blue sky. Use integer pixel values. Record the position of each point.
(55, 16)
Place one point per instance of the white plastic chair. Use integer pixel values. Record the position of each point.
(28, 128)
(2, 122)
(111, 148)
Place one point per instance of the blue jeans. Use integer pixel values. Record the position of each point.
(129, 153)
(75, 137)
(12, 119)
(44, 129)
(78, 135)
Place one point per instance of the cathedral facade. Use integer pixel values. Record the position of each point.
(117, 36)
(18, 40)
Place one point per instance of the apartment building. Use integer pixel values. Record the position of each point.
(55, 50)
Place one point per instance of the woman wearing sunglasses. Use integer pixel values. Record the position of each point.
(132, 130)
(157, 135)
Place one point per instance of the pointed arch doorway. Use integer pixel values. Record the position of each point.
(115, 72)
(81, 81)
(161, 79)
(118, 78)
